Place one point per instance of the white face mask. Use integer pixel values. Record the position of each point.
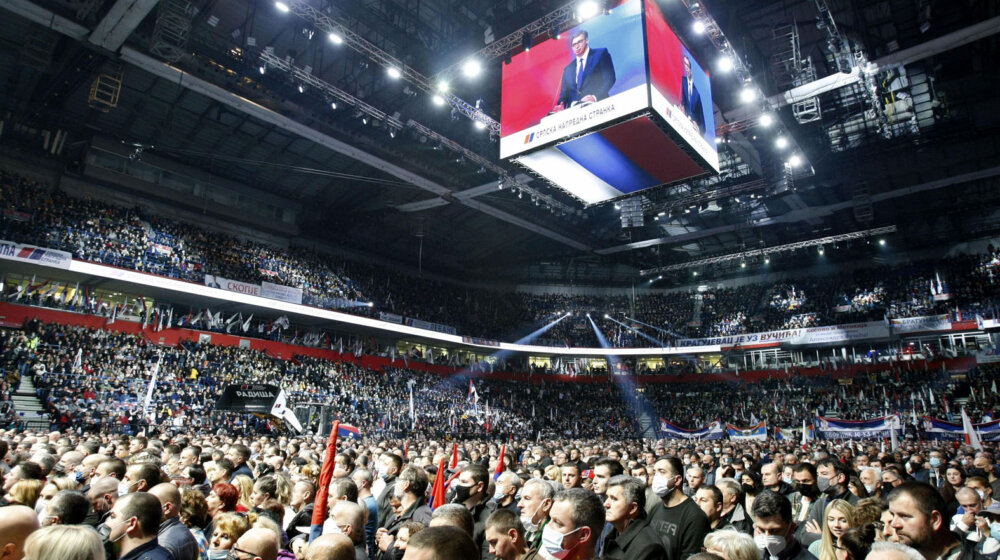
(399, 490)
(499, 493)
(529, 520)
(773, 544)
(552, 541)
(661, 485)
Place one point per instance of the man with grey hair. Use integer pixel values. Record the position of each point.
(505, 494)
(535, 504)
(625, 510)
(871, 477)
(409, 488)
(965, 523)
(885, 550)
(733, 513)
(576, 521)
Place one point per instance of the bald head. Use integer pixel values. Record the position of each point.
(170, 498)
(349, 514)
(16, 523)
(262, 543)
(331, 547)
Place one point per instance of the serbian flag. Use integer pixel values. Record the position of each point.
(454, 457)
(346, 430)
(437, 491)
(971, 436)
(473, 395)
(499, 471)
(323, 492)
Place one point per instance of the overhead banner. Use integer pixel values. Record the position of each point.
(29, 253)
(922, 324)
(262, 400)
(758, 432)
(811, 335)
(390, 317)
(671, 431)
(835, 428)
(232, 285)
(934, 428)
(436, 327)
(287, 294)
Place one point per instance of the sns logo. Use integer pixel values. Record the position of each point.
(529, 137)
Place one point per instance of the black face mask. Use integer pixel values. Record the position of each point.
(887, 487)
(462, 493)
(749, 489)
(808, 490)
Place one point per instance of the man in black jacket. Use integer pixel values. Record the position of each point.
(774, 530)
(409, 489)
(470, 491)
(303, 496)
(632, 538)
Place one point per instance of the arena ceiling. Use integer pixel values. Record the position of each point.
(917, 147)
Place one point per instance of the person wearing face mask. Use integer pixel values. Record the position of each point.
(576, 519)
(535, 503)
(103, 494)
(681, 524)
(631, 538)
(409, 488)
(132, 526)
(989, 542)
(470, 491)
(733, 513)
(774, 530)
(871, 478)
(389, 465)
(918, 469)
(969, 523)
(173, 535)
(831, 480)
(505, 493)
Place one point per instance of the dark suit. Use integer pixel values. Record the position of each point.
(637, 542)
(597, 79)
(692, 104)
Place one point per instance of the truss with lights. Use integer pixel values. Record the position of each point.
(341, 34)
(742, 255)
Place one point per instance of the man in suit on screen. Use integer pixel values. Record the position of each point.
(690, 98)
(589, 77)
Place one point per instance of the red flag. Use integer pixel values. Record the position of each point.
(454, 456)
(323, 491)
(437, 491)
(406, 451)
(499, 471)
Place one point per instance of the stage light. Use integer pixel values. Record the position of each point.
(393, 72)
(698, 27)
(438, 100)
(781, 142)
(333, 105)
(660, 277)
(606, 316)
(767, 260)
(371, 304)
(695, 273)
(765, 120)
(282, 7)
(743, 264)
(443, 86)
(821, 250)
(526, 42)
(364, 120)
(472, 68)
(748, 94)
(881, 242)
(794, 161)
(480, 125)
(302, 88)
(587, 10)
(262, 69)
(725, 64)
(335, 38)
(392, 133)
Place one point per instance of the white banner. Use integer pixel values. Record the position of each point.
(919, 324)
(811, 335)
(390, 317)
(281, 293)
(31, 254)
(232, 285)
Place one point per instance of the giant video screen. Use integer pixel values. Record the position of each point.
(593, 74)
(680, 87)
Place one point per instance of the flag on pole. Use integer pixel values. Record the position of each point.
(499, 471)
(454, 457)
(473, 395)
(437, 490)
(971, 437)
(805, 434)
(152, 386)
(323, 491)
(78, 361)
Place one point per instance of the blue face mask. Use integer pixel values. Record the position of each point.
(935, 462)
(995, 530)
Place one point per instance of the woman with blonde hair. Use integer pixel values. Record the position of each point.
(840, 516)
(731, 544)
(228, 528)
(244, 484)
(25, 492)
(64, 542)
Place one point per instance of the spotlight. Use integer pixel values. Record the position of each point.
(588, 314)
(443, 87)
(725, 64)
(767, 260)
(748, 94)
(606, 316)
(438, 100)
(781, 143)
(335, 38)
(393, 72)
(794, 161)
(364, 120)
(695, 273)
(302, 88)
(765, 120)
(282, 7)
(262, 69)
(660, 277)
(371, 304)
(392, 133)
(743, 264)
(472, 68)
(881, 242)
(698, 27)
(480, 125)
(526, 42)
(587, 10)
(718, 139)
(821, 250)
(333, 105)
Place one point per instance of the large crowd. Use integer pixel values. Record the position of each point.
(130, 238)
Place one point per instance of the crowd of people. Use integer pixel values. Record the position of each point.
(130, 238)
(190, 495)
